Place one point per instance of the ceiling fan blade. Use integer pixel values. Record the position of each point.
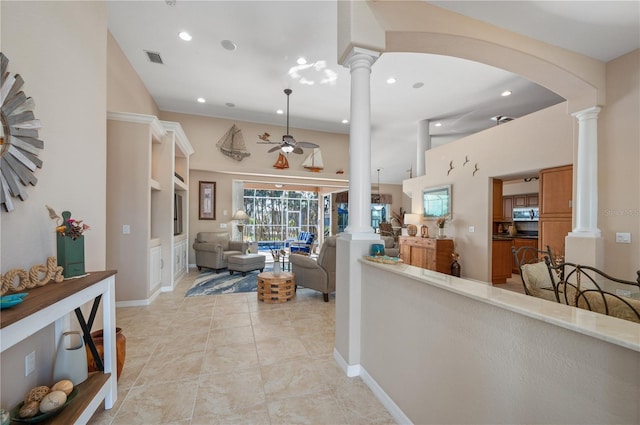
(298, 150)
(288, 139)
(273, 149)
(307, 145)
(267, 143)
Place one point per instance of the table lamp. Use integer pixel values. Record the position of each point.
(241, 217)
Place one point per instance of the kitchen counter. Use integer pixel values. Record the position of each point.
(499, 237)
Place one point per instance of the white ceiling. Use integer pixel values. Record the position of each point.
(271, 35)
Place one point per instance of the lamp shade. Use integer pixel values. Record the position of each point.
(412, 219)
(240, 215)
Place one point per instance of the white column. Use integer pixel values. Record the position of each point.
(359, 62)
(586, 202)
(423, 145)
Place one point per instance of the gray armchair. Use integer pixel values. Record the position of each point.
(319, 275)
(213, 250)
(390, 246)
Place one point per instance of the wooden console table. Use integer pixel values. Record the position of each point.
(50, 303)
(428, 253)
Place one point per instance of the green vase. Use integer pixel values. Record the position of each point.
(71, 255)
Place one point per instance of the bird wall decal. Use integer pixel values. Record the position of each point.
(264, 137)
(466, 159)
(475, 169)
(450, 167)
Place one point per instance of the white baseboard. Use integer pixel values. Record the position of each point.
(138, 303)
(349, 370)
(386, 401)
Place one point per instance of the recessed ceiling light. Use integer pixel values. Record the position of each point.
(301, 61)
(418, 85)
(279, 112)
(230, 105)
(391, 80)
(185, 36)
(345, 121)
(438, 124)
(506, 93)
(201, 100)
(228, 44)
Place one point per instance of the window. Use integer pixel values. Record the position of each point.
(278, 215)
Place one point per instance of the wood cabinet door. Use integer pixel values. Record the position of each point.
(532, 200)
(507, 208)
(497, 199)
(419, 256)
(552, 232)
(500, 261)
(520, 201)
(556, 187)
(405, 252)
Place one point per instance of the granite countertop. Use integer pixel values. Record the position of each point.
(506, 237)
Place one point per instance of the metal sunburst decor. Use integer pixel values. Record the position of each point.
(19, 143)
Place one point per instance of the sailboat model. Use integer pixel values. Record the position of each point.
(314, 161)
(282, 162)
(232, 144)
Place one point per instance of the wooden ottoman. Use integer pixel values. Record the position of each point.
(245, 263)
(276, 289)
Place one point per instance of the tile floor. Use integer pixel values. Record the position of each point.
(229, 359)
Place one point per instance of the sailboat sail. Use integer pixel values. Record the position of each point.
(314, 161)
(282, 162)
(232, 144)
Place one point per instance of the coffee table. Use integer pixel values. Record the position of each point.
(274, 289)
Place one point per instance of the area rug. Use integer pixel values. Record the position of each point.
(211, 283)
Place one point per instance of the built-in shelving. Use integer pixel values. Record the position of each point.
(144, 157)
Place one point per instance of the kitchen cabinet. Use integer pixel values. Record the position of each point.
(556, 189)
(507, 208)
(44, 306)
(520, 201)
(497, 200)
(501, 260)
(517, 244)
(428, 253)
(532, 200)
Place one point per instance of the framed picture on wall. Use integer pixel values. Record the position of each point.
(207, 201)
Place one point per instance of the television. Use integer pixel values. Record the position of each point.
(437, 201)
(177, 214)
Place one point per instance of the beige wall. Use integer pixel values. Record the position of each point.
(450, 353)
(59, 49)
(618, 171)
(526, 145)
(127, 92)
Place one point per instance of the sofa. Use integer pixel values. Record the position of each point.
(319, 275)
(213, 250)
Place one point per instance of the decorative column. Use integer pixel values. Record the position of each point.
(586, 204)
(359, 235)
(423, 145)
(359, 62)
(585, 245)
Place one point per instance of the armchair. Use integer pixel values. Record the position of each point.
(319, 275)
(303, 244)
(390, 246)
(213, 250)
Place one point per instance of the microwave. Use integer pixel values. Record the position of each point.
(526, 214)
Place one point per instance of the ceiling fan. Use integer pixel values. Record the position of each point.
(289, 144)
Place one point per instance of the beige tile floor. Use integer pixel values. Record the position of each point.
(230, 359)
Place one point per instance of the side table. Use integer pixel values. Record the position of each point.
(274, 289)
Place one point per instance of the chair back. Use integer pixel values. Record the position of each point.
(592, 289)
(533, 270)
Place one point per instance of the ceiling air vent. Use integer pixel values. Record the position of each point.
(501, 119)
(154, 57)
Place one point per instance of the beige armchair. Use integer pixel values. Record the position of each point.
(390, 246)
(319, 275)
(213, 250)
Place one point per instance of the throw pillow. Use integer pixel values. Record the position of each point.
(537, 276)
